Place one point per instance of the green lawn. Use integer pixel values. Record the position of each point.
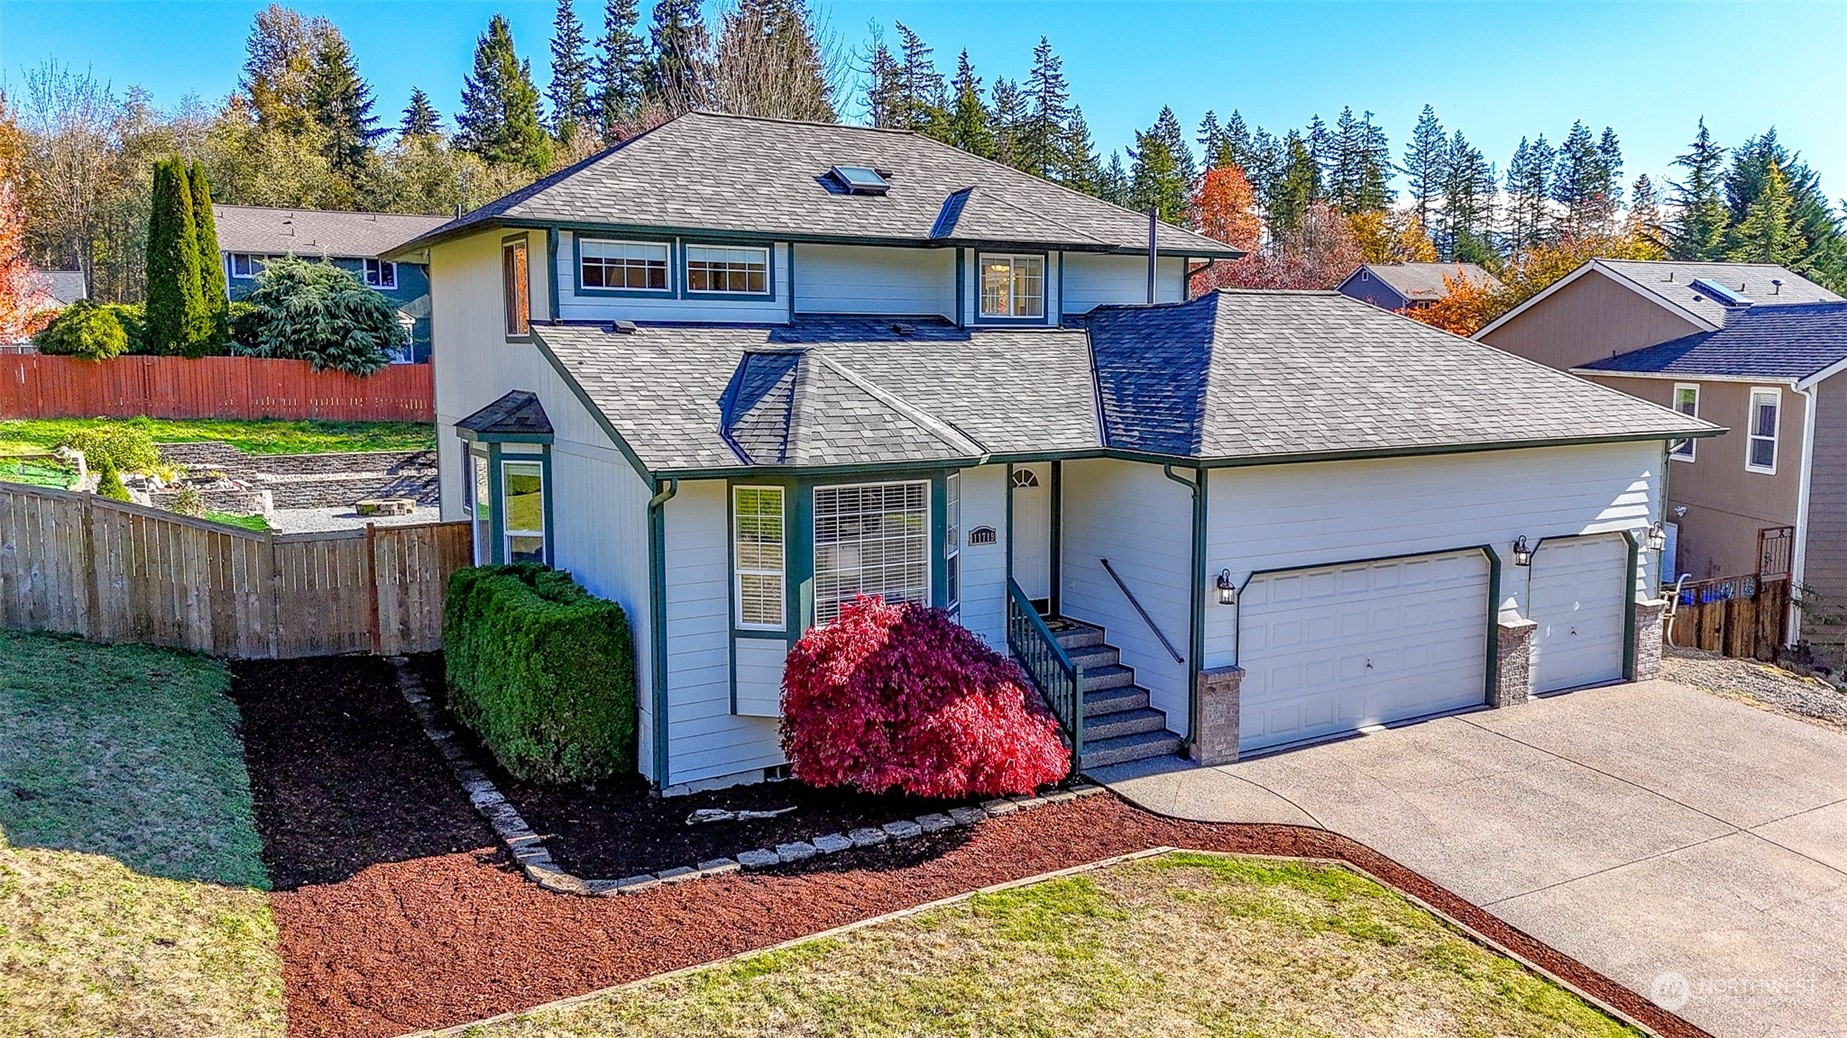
(248, 522)
(36, 473)
(131, 884)
(265, 436)
(1181, 944)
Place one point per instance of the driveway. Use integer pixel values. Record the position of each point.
(1690, 847)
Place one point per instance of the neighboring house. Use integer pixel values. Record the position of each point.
(1409, 286)
(1734, 343)
(248, 235)
(1777, 376)
(65, 286)
(733, 372)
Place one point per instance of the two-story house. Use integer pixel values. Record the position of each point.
(733, 372)
(250, 235)
(1753, 347)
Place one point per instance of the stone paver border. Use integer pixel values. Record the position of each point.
(535, 859)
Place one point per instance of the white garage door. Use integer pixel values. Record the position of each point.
(1579, 592)
(1327, 651)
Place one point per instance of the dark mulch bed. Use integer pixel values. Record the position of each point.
(341, 775)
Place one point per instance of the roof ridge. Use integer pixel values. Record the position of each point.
(330, 212)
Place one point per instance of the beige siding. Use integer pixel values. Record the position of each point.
(1826, 568)
(1590, 319)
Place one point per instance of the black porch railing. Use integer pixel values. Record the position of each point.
(1060, 681)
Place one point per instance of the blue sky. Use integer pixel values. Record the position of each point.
(1495, 70)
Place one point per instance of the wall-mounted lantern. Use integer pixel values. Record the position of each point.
(1523, 555)
(1228, 592)
(1657, 537)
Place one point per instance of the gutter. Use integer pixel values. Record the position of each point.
(1798, 561)
(657, 619)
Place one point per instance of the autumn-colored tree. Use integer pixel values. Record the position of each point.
(1318, 253)
(1225, 209)
(1466, 307)
(25, 305)
(1470, 308)
(1388, 237)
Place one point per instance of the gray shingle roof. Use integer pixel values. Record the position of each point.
(316, 232)
(830, 391)
(65, 286)
(1424, 281)
(517, 413)
(1281, 374)
(1672, 281)
(1788, 341)
(770, 177)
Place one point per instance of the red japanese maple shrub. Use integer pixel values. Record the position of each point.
(903, 697)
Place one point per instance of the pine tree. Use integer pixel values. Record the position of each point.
(1238, 146)
(680, 74)
(212, 294)
(918, 104)
(1077, 167)
(1811, 215)
(1643, 224)
(1468, 203)
(1361, 165)
(1113, 184)
(499, 120)
(1160, 178)
(341, 104)
(1007, 112)
(1320, 142)
(1041, 136)
(621, 69)
(882, 86)
(177, 320)
(1426, 162)
(968, 127)
(1583, 182)
(421, 121)
(1167, 124)
(569, 90)
(1211, 140)
(1768, 233)
(1702, 219)
(1529, 179)
(1263, 163)
(1297, 188)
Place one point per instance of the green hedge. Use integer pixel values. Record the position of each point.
(542, 671)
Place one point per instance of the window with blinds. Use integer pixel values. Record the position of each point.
(757, 537)
(870, 539)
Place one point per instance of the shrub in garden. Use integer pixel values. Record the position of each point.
(903, 697)
(86, 329)
(317, 312)
(542, 671)
(125, 446)
(109, 482)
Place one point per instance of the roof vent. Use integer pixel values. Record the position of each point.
(1721, 293)
(861, 180)
(623, 327)
(1776, 286)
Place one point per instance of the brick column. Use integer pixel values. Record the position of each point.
(1649, 620)
(1216, 741)
(1513, 684)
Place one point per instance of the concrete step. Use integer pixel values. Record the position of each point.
(1091, 657)
(1114, 701)
(1123, 722)
(1074, 634)
(1113, 675)
(1101, 753)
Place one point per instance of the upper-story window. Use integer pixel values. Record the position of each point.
(516, 286)
(247, 265)
(741, 270)
(638, 266)
(381, 273)
(1686, 401)
(1766, 411)
(1012, 285)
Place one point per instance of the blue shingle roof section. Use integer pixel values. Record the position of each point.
(1788, 341)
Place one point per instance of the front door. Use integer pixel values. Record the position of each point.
(1032, 530)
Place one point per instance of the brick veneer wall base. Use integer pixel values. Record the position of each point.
(1650, 614)
(1216, 741)
(1513, 681)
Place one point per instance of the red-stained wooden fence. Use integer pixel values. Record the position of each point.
(37, 386)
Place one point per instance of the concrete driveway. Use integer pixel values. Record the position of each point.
(1690, 847)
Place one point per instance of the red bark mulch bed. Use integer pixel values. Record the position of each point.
(408, 932)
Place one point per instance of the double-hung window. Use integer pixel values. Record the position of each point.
(870, 539)
(1012, 285)
(516, 286)
(1686, 401)
(635, 266)
(1766, 411)
(381, 273)
(757, 557)
(523, 500)
(741, 270)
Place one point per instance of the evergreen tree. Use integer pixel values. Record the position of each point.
(279, 66)
(1167, 124)
(1113, 184)
(1361, 165)
(1007, 111)
(1426, 164)
(1211, 140)
(341, 104)
(1811, 215)
(1161, 178)
(680, 73)
(1041, 136)
(1468, 203)
(1320, 142)
(968, 127)
(1643, 224)
(1239, 148)
(421, 120)
(1263, 163)
(1296, 190)
(1529, 180)
(1584, 182)
(177, 319)
(882, 87)
(1701, 217)
(621, 68)
(918, 104)
(569, 90)
(499, 120)
(1078, 168)
(1768, 232)
(212, 294)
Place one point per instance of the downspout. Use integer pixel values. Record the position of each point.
(1196, 634)
(1199, 271)
(551, 269)
(1798, 559)
(657, 618)
(1153, 222)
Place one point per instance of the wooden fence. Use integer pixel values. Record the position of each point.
(37, 386)
(1746, 617)
(80, 564)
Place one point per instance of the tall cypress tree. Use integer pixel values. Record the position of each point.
(342, 105)
(1702, 218)
(177, 321)
(622, 68)
(499, 120)
(569, 89)
(212, 294)
(968, 114)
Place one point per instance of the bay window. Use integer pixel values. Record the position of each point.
(870, 539)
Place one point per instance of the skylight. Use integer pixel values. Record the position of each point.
(861, 180)
(1724, 295)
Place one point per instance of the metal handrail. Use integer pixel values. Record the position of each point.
(1149, 620)
(1060, 680)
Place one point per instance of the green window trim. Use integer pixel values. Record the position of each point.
(490, 453)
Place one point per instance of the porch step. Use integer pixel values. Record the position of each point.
(1074, 634)
(1112, 675)
(1114, 701)
(1117, 723)
(1100, 753)
(1092, 657)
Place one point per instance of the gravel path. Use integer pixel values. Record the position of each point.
(318, 520)
(1759, 684)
